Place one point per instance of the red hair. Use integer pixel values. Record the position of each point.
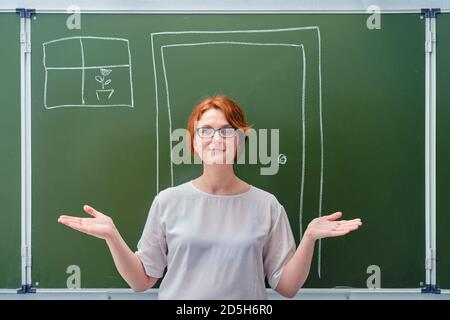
(232, 111)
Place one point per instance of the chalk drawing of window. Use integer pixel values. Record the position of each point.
(87, 72)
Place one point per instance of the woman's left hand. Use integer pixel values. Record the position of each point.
(327, 226)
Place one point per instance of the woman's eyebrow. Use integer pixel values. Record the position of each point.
(210, 126)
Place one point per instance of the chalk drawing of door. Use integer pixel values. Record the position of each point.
(275, 75)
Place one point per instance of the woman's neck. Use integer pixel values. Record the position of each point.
(221, 180)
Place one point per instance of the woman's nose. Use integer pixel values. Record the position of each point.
(217, 137)
(217, 140)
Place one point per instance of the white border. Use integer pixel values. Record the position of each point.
(229, 5)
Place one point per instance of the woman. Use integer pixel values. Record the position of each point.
(218, 236)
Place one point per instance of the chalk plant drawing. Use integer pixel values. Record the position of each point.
(104, 94)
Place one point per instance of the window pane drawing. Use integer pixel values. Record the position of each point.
(87, 72)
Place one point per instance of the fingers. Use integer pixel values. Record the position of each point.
(337, 215)
(88, 209)
(347, 227)
(63, 219)
(345, 223)
(343, 230)
(74, 223)
(358, 221)
(91, 211)
(334, 216)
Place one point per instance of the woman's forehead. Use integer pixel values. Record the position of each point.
(213, 117)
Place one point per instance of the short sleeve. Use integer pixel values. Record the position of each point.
(279, 248)
(152, 247)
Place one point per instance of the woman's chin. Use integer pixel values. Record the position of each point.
(217, 160)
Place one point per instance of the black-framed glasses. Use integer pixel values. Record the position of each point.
(208, 132)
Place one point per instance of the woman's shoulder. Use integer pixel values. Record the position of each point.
(175, 192)
(264, 195)
(268, 200)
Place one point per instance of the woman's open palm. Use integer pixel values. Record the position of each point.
(327, 226)
(100, 225)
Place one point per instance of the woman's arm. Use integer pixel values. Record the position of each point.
(296, 271)
(129, 265)
(127, 262)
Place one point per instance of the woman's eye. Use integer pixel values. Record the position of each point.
(228, 131)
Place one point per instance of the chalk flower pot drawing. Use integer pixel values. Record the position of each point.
(104, 94)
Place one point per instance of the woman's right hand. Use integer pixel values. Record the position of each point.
(100, 225)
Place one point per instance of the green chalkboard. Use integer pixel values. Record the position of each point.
(10, 151)
(348, 103)
(443, 150)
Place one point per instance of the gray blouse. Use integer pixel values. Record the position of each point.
(215, 246)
